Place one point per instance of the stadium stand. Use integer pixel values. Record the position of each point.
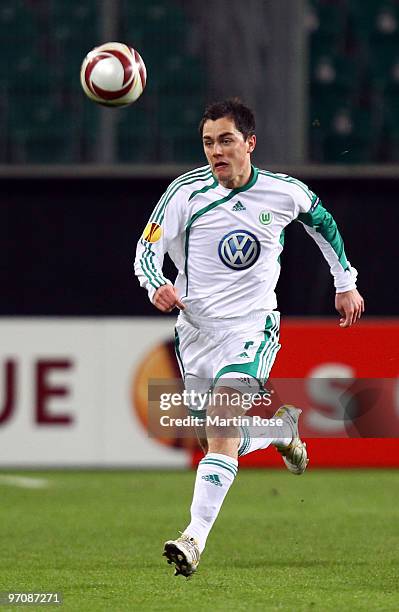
(167, 117)
(43, 111)
(354, 76)
(353, 82)
(42, 105)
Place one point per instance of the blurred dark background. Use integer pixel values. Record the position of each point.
(68, 246)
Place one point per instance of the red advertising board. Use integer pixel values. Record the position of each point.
(370, 347)
(319, 349)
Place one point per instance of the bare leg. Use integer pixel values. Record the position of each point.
(222, 439)
(202, 440)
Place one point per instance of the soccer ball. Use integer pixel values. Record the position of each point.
(113, 74)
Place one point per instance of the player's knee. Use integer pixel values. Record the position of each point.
(225, 403)
(221, 411)
(224, 446)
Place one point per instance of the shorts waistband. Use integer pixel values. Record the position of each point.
(215, 323)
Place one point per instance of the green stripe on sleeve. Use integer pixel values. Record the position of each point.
(156, 279)
(147, 272)
(293, 181)
(324, 224)
(159, 212)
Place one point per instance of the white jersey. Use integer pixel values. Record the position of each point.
(226, 243)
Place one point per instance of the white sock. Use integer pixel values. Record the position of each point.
(256, 437)
(215, 475)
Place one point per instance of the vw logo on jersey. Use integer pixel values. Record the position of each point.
(239, 249)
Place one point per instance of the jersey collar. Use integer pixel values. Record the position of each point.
(252, 180)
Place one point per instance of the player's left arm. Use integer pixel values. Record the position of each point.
(321, 226)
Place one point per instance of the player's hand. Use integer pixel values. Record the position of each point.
(166, 298)
(350, 305)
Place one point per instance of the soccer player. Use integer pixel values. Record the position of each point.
(223, 226)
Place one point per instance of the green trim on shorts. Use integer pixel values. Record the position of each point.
(177, 351)
(199, 414)
(245, 441)
(260, 367)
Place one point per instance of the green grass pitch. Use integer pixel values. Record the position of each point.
(328, 540)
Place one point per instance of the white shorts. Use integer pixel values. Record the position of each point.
(237, 354)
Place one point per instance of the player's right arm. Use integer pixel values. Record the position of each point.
(164, 226)
(166, 299)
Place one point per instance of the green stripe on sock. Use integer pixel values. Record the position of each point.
(230, 467)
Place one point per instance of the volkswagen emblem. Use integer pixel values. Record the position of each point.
(239, 249)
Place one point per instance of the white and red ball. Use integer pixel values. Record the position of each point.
(113, 74)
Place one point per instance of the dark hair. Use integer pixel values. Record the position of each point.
(242, 116)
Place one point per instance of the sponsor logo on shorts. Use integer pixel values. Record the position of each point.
(152, 232)
(239, 249)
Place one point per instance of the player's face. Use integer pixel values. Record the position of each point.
(228, 154)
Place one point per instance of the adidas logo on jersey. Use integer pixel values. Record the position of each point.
(213, 478)
(238, 206)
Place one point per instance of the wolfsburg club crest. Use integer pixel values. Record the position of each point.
(266, 217)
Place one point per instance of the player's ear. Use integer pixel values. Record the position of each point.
(251, 143)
